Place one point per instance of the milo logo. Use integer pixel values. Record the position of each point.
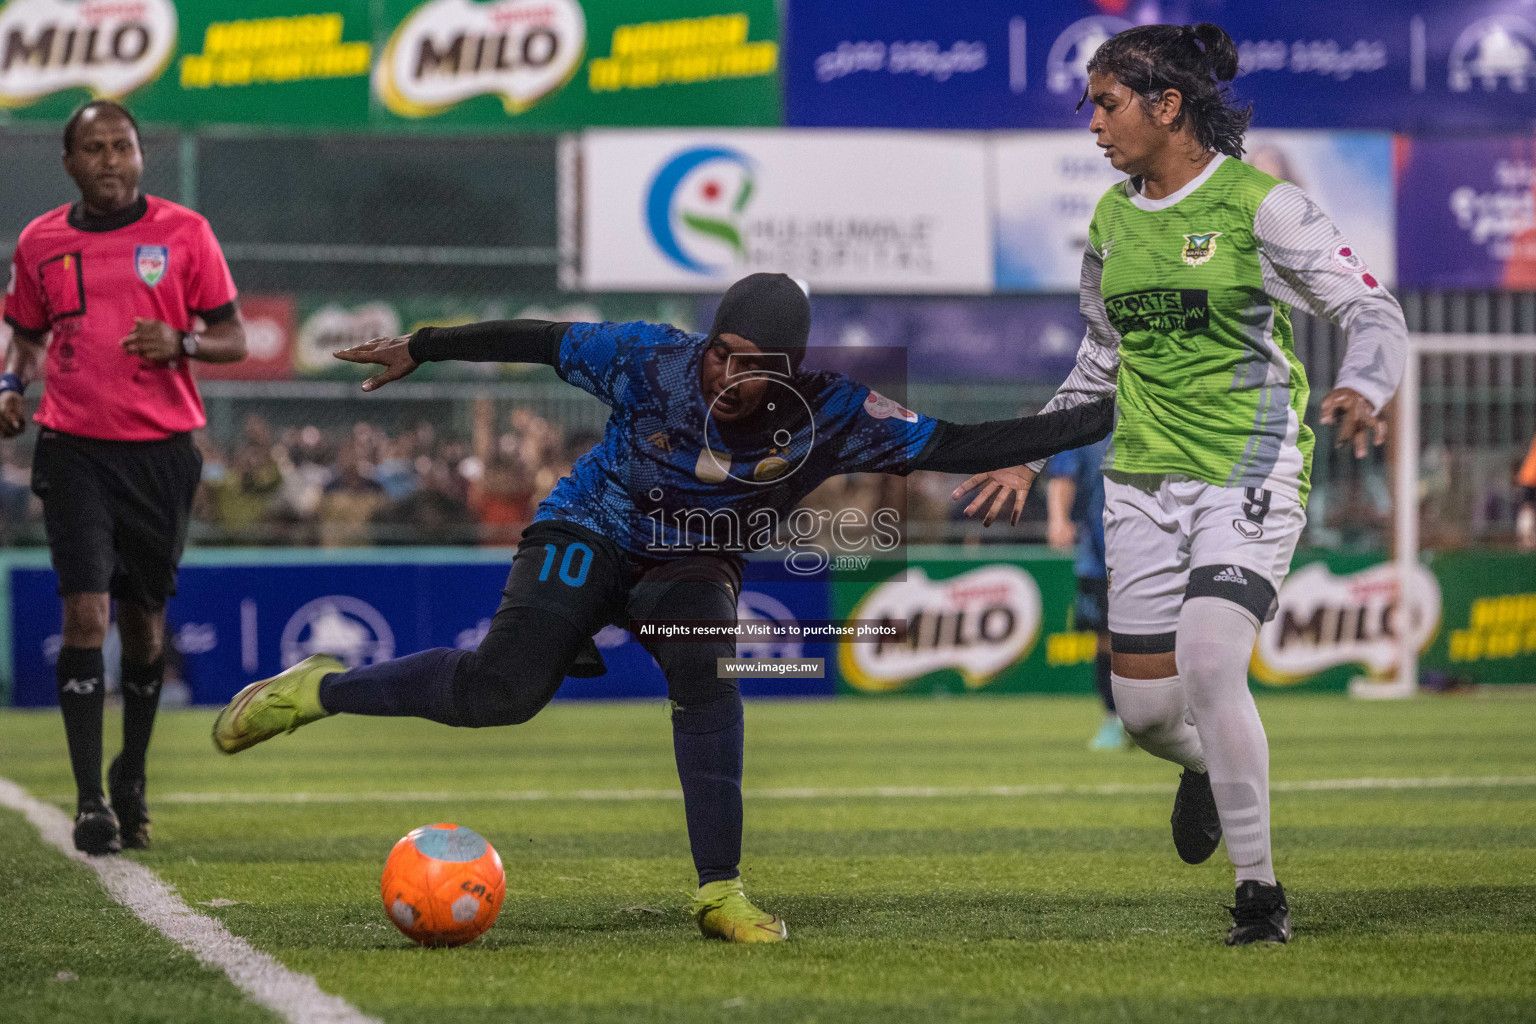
(977, 624)
(1161, 310)
(110, 47)
(1325, 620)
(447, 51)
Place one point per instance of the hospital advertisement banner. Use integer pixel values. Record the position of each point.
(396, 64)
(1467, 211)
(1048, 184)
(843, 211)
(1425, 64)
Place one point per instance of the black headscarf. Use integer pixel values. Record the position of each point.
(768, 310)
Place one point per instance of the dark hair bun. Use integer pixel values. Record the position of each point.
(1220, 50)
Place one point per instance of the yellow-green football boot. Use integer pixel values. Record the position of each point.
(273, 706)
(724, 912)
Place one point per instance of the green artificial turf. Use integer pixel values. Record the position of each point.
(69, 953)
(1064, 905)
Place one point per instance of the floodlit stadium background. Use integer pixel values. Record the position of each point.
(920, 165)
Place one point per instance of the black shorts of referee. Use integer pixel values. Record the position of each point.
(116, 512)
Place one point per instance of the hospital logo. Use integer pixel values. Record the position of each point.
(1495, 51)
(1199, 249)
(351, 629)
(149, 262)
(694, 208)
(448, 51)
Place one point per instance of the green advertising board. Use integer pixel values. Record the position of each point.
(1002, 623)
(1488, 626)
(539, 65)
(999, 620)
(1471, 615)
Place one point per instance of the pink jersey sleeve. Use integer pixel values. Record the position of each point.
(24, 306)
(211, 285)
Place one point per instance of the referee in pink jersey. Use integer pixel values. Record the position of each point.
(102, 302)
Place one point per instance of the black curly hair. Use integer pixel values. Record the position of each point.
(1195, 60)
(73, 124)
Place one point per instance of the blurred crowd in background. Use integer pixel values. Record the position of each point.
(366, 485)
(360, 483)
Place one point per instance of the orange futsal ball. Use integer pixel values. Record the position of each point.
(443, 885)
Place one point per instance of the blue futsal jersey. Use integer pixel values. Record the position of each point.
(1083, 466)
(667, 480)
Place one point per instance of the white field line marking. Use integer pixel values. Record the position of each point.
(293, 997)
(827, 793)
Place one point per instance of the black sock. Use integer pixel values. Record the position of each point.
(1103, 683)
(418, 684)
(707, 741)
(82, 692)
(141, 698)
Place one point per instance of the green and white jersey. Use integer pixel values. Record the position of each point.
(1188, 304)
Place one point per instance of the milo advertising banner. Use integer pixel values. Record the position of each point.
(272, 62)
(1001, 623)
(1488, 634)
(535, 64)
(1339, 618)
(561, 63)
(992, 625)
(1470, 615)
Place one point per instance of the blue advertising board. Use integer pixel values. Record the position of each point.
(1467, 211)
(1020, 63)
(939, 339)
(233, 623)
(1047, 185)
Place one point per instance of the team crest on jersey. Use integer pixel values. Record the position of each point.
(770, 469)
(1200, 248)
(150, 262)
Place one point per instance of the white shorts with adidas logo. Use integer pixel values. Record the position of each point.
(1158, 528)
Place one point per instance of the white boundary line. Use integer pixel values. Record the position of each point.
(296, 998)
(827, 793)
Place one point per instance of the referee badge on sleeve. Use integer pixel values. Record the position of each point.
(149, 261)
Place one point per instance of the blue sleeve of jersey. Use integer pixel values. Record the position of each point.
(862, 431)
(598, 357)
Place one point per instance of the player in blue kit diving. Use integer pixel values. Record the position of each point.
(712, 439)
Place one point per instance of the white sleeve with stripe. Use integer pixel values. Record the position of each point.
(1098, 357)
(1307, 262)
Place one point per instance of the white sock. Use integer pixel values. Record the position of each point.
(1215, 643)
(1156, 715)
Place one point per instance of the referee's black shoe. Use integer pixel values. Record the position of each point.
(96, 828)
(1196, 825)
(129, 806)
(1261, 915)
